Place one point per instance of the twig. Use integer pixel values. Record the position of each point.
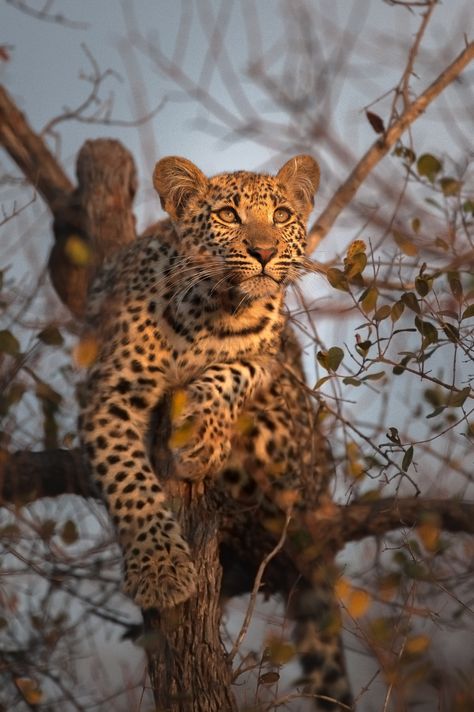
(43, 14)
(256, 587)
(345, 193)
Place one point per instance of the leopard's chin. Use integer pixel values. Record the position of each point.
(261, 285)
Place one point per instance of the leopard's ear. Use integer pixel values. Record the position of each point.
(300, 176)
(176, 180)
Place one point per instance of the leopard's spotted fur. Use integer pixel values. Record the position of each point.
(196, 308)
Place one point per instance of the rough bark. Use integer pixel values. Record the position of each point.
(188, 669)
(31, 154)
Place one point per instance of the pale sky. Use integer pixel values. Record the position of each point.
(47, 60)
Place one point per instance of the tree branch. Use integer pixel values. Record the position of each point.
(27, 476)
(31, 154)
(345, 193)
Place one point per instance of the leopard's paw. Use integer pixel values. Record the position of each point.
(161, 578)
(200, 440)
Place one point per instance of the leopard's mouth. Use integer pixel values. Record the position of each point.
(261, 284)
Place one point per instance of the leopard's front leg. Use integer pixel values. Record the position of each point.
(158, 569)
(205, 413)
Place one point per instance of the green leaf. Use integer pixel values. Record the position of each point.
(405, 244)
(9, 344)
(351, 381)
(383, 312)
(397, 310)
(455, 285)
(415, 225)
(457, 399)
(337, 279)
(452, 332)
(363, 347)
(393, 435)
(428, 166)
(321, 382)
(436, 411)
(409, 299)
(69, 533)
(407, 458)
(427, 330)
(468, 206)
(47, 529)
(422, 285)
(468, 312)
(51, 336)
(269, 678)
(374, 376)
(406, 153)
(450, 186)
(335, 356)
(330, 360)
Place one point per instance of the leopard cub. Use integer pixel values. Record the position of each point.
(197, 306)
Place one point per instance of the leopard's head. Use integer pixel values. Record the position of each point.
(243, 230)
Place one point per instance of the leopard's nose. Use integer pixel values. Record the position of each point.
(262, 254)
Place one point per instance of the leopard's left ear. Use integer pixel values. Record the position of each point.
(176, 181)
(300, 176)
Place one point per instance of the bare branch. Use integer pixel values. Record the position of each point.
(31, 154)
(342, 524)
(256, 587)
(345, 193)
(56, 18)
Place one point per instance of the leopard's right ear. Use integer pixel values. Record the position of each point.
(176, 180)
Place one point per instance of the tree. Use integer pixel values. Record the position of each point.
(410, 295)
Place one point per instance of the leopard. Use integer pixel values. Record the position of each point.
(195, 309)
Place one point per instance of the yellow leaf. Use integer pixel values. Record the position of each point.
(244, 424)
(178, 403)
(182, 435)
(29, 689)
(381, 630)
(369, 302)
(274, 525)
(417, 644)
(286, 498)
(269, 678)
(280, 652)
(342, 588)
(78, 251)
(388, 586)
(358, 603)
(85, 352)
(429, 534)
(355, 247)
(405, 244)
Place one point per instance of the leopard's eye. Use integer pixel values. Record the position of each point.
(281, 215)
(228, 215)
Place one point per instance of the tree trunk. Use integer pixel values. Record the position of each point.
(187, 660)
